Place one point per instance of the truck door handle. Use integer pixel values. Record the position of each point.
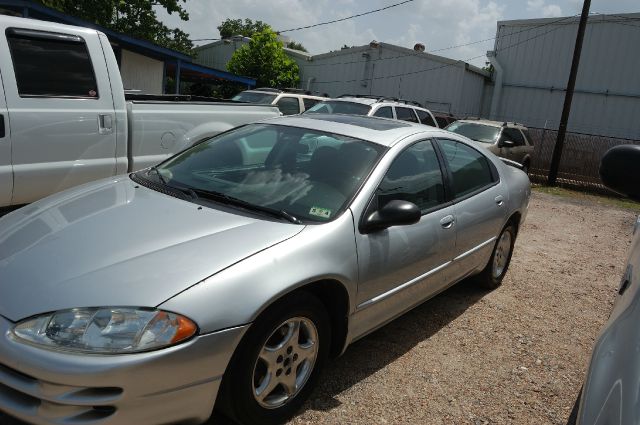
(447, 221)
(105, 123)
(1, 126)
(499, 200)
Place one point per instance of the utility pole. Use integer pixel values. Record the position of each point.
(562, 129)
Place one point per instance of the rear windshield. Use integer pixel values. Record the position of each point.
(338, 107)
(253, 97)
(478, 132)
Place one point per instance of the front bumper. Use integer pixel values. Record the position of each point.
(174, 385)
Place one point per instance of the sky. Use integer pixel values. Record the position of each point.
(438, 24)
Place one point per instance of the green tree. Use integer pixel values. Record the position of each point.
(296, 46)
(136, 18)
(230, 27)
(264, 59)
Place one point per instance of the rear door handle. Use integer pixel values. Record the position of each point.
(105, 123)
(447, 221)
(499, 200)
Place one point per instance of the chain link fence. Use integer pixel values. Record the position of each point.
(580, 162)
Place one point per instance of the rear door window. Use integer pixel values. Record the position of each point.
(425, 118)
(406, 114)
(469, 168)
(384, 112)
(51, 64)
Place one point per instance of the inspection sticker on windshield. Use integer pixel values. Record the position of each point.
(320, 212)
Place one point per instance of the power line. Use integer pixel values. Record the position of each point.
(327, 22)
(417, 54)
(349, 17)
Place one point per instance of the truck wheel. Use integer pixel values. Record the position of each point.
(277, 364)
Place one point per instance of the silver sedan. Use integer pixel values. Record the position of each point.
(228, 274)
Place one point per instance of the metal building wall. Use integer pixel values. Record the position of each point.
(535, 56)
(387, 70)
(141, 72)
(216, 55)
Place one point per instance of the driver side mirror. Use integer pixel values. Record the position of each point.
(620, 172)
(394, 213)
(506, 144)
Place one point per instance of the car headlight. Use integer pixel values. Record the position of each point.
(106, 330)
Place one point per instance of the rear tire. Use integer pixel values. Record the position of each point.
(277, 364)
(492, 275)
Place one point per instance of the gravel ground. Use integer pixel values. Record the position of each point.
(516, 355)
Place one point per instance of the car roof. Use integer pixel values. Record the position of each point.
(492, 123)
(375, 101)
(285, 93)
(382, 131)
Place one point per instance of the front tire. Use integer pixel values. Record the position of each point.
(492, 275)
(276, 366)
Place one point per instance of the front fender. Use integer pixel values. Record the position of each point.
(238, 294)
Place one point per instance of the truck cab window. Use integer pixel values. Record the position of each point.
(49, 67)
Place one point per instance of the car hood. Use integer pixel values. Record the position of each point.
(114, 243)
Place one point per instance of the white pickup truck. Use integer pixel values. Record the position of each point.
(64, 119)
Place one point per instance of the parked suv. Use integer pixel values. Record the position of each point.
(508, 140)
(376, 106)
(289, 101)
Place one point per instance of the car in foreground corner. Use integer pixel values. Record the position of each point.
(228, 274)
(610, 391)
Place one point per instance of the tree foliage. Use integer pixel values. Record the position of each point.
(230, 27)
(136, 18)
(264, 59)
(247, 28)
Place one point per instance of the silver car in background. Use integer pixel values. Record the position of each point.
(228, 274)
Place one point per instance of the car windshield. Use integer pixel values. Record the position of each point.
(478, 132)
(298, 173)
(254, 97)
(340, 107)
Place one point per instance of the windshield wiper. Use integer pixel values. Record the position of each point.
(221, 197)
(186, 190)
(160, 176)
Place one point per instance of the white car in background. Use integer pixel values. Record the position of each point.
(289, 101)
(377, 106)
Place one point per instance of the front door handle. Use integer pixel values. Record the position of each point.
(499, 200)
(447, 221)
(105, 123)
